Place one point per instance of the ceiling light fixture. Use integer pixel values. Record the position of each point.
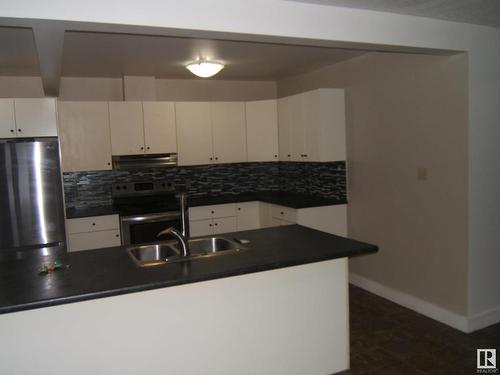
(204, 68)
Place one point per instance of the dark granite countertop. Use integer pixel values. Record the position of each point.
(292, 200)
(108, 272)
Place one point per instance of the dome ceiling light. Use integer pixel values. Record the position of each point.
(204, 68)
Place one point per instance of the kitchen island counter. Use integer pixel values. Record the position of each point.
(108, 272)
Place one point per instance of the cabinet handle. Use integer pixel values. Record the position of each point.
(117, 235)
(211, 158)
(212, 212)
(282, 213)
(12, 130)
(275, 156)
(19, 130)
(216, 158)
(142, 148)
(289, 155)
(209, 225)
(239, 208)
(93, 224)
(215, 224)
(147, 147)
(109, 163)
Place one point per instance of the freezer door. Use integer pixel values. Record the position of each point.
(31, 199)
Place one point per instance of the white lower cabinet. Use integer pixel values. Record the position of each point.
(213, 219)
(93, 232)
(209, 227)
(329, 219)
(224, 218)
(94, 240)
(248, 216)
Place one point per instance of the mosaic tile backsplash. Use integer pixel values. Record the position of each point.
(321, 179)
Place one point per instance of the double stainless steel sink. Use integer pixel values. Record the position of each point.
(168, 252)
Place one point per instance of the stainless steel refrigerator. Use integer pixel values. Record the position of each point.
(31, 198)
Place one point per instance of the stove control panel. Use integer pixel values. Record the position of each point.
(141, 188)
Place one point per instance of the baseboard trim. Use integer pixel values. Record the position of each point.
(428, 309)
(484, 319)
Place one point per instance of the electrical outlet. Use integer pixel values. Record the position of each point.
(421, 173)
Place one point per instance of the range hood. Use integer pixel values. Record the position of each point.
(144, 161)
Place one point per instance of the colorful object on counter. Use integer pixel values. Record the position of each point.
(51, 267)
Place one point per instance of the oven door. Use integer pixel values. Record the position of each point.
(140, 229)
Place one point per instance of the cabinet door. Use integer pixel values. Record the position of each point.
(201, 227)
(228, 128)
(247, 216)
(262, 130)
(127, 129)
(194, 133)
(159, 127)
(94, 240)
(7, 119)
(84, 136)
(224, 225)
(331, 140)
(284, 128)
(311, 113)
(297, 127)
(36, 117)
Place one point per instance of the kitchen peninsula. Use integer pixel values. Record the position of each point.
(279, 307)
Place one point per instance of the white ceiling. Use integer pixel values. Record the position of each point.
(480, 12)
(114, 55)
(18, 55)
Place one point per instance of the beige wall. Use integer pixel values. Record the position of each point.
(95, 88)
(21, 87)
(81, 88)
(406, 112)
(213, 90)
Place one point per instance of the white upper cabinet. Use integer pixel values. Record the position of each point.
(210, 132)
(7, 119)
(312, 126)
(36, 117)
(84, 136)
(298, 128)
(127, 128)
(194, 133)
(284, 128)
(262, 130)
(228, 130)
(28, 118)
(331, 138)
(159, 127)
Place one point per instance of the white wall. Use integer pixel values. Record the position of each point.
(278, 21)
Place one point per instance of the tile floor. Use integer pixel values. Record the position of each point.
(389, 339)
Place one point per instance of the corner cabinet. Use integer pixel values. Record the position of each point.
(84, 136)
(28, 118)
(142, 128)
(312, 126)
(210, 133)
(262, 130)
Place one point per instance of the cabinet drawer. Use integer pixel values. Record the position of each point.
(284, 213)
(92, 224)
(214, 211)
(94, 240)
(201, 227)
